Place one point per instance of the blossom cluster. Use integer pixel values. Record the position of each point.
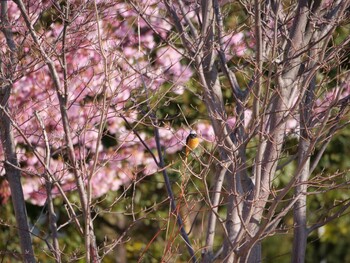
(108, 63)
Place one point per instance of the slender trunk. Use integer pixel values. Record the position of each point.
(300, 230)
(13, 176)
(300, 210)
(215, 200)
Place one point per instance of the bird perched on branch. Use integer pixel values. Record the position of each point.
(192, 142)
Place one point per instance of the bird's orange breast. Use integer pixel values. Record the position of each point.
(191, 144)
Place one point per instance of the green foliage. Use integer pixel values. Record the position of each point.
(277, 248)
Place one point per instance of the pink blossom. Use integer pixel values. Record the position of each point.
(205, 131)
(128, 55)
(170, 60)
(32, 189)
(13, 11)
(150, 166)
(172, 141)
(235, 44)
(291, 125)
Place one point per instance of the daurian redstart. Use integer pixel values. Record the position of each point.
(192, 142)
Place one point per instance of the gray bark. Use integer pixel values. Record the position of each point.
(13, 175)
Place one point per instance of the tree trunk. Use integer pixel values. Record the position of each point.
(300, 211)
(13, 176)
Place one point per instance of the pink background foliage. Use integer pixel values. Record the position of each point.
(132, 48)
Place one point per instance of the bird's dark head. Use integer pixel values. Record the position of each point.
(193, 134)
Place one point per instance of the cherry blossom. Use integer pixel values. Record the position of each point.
(137, 61)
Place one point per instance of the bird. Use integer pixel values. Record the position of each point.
(192, 142)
